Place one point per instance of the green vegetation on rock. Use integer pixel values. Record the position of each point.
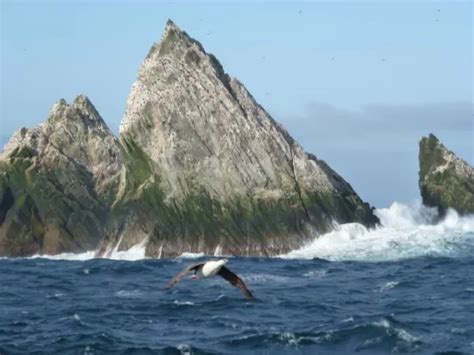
(199, 167)
(445, 180)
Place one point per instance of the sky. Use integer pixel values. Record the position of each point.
(357, 83)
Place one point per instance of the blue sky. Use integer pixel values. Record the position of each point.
(357, 83)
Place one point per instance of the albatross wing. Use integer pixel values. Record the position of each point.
(180, 275)
(235, 281)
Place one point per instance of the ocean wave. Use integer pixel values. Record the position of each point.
(263, 278)
(316, 274)
(183, 303)
(128, 293)
(380, 335)
(389, 285)
(136, 252)
(405, 232)
(191, 255)
(67, 256)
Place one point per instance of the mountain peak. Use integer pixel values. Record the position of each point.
(200, 167)
(83, 103)
(173, 42)
(80, 110)
(213, 144)
(171, 24)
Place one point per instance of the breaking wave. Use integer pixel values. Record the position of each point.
(191, 255)
(67, 256)
(405, 232)
(136, 252)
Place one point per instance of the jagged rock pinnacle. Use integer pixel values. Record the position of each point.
(200, 167)
(208, 138)
(445, 180)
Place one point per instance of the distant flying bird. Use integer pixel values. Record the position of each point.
(211, 268)
(300, 12)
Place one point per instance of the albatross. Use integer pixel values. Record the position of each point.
(211, 268)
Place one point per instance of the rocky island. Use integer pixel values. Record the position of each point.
(445, 180)
(199, 166)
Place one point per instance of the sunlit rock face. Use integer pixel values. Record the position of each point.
(228, 176)
(445, 180)
(199, 167)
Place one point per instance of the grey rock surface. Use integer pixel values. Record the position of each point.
(57, 182)
(199, 166)
(445, 180)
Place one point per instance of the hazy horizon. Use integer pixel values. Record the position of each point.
(355, 83)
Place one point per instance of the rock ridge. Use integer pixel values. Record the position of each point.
(199, 166)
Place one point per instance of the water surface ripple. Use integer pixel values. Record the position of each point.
(304, 306)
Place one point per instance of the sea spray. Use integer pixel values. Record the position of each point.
(405, 232)
(136, 252)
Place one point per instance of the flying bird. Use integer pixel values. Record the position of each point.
(211, 268)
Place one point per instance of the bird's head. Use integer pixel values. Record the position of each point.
(224, 261)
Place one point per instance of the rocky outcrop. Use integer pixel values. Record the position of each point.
(219, 174)
(200, 167)
(445, 180)
(57, 182)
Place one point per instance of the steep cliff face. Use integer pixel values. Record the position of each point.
(57, 182)
(228, 177)
(199, 167)
(445, 180)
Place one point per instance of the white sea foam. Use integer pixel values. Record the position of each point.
(389, 285)
(191, 255)
(128, 293)
(317, 274)
(67, 256)
(263, 278)
(184, 349)
(183, 303)
(136, 252)
(406, 232)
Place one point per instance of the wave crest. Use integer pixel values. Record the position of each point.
(405, 232)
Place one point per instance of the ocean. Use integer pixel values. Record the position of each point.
(405, 287)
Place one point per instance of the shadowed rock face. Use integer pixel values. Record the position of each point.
(200, 167)
(445, 180)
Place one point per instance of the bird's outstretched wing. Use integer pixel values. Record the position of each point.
(180, 275)
(235, 281)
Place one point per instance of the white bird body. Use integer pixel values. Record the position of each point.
(211, 268)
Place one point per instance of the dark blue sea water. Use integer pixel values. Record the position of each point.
(374, 292)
